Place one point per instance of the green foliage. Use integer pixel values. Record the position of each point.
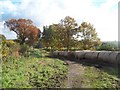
(48, 38)
(108, 46)
(68, 24)
(35, 53)
(89, 39)
(68, 35)
(34, 71)
(2, 37)
(58, 36)
(39, 44)
(10, 48)
(96, 78)
(24, 50)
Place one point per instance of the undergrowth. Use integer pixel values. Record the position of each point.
(34, 71)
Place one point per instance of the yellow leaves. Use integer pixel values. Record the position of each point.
(5, 52)
(9, 47)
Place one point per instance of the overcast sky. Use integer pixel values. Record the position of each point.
(103, 14)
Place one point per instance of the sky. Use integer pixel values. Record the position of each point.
(102, 14)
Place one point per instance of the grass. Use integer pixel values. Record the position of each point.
(96, 78)
(38, 70)
(34, 71)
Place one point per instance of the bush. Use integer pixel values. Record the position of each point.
(10, 48)
(24, 50)
(108, 47)
(2, 37)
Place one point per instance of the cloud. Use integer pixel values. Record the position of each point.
(103, 15)
(7, 6)
(6, 32)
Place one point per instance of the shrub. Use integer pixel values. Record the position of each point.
(108, 47)
(24, 50)
(10, 48)
(2, 37)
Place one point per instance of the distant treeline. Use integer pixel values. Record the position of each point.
(110, 46)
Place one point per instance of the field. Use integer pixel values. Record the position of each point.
(41, 70)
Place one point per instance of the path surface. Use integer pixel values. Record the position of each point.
(75, 71)
(88, 75)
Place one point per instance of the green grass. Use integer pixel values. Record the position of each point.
(34, 71)
(38, 70)
(96, 78)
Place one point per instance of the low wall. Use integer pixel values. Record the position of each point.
(107, 56)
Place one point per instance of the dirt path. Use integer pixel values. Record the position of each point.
(81, 76)
(75, 71)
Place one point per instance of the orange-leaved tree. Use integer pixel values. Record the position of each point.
(25, 30)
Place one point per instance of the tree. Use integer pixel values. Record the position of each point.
(25, 30)
(89, 37)
(108, 46)
(68, 24)
(47, 38)
(67, 34)
(60, 35)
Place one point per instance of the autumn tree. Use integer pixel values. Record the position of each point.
(68, 24)
(60, 35)
(67, 35)
(89, 38)
(25, 30)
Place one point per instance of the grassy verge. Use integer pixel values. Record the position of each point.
(34, 71)
(96, 78)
